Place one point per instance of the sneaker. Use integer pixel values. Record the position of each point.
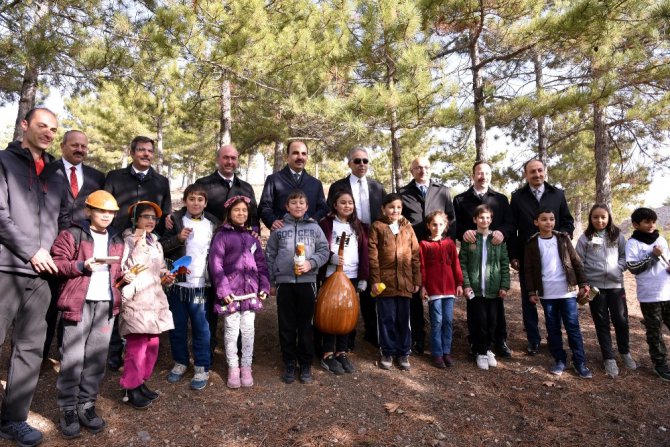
(21, 432)
(89, 418)
(200, 378)
(332, 365)
(533, 349)
(438, 361)
(347, 366)
(491, 358)
(583, 371)
(403, 362)
(448, 360)
(148, 393)
(234, 378)
(306, 374)
(69, 424)
(177, 373)
(386, 362)
(289, 373)
(246, 379)
(629, 362)
(663, 372)
(611, 368)
(558, 368)
(483, 362)
(504, 351)
(137, 399)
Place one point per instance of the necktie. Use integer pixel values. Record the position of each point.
(423, 190)
(538, 195)
(296, 177)
(74, 184)
(362, 203)
(140, 176)
(228, 183)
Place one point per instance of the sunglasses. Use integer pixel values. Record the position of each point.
(360, 160)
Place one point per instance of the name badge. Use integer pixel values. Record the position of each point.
(253, 249)
(597, 240)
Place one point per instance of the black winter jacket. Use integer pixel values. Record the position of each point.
(218, 193)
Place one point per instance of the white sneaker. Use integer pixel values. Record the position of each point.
(629, 362)
(483, 362)
(611, 368)
(491, 358)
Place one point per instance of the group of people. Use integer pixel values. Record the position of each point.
(108, 254)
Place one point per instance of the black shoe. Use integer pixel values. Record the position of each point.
(332, 365)
(135, 398)
(289, 373)
(533, 349)
(504, 351)
(149, 394)
(417, 349)
(663, 372)
(69, 424)
(89, 418)
(21, 432)
(346, 363)
(114, 362)
(306, 374)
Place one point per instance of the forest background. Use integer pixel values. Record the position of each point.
(583, 85)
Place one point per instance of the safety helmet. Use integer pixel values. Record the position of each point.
(156, 208)
(102, 200)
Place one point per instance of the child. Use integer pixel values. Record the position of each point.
(294, 282)
(602, 249)
(89, 304)
(145, 312)
(552, 269)
(343, 219)
(395, 262)
(485, 281)
(190, 235)
(240, 278)
(442, 281)
(647, 258)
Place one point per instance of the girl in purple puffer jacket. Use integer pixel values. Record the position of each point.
(239, 274)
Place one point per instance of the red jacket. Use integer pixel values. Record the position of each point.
(71, 248)
(440, 268)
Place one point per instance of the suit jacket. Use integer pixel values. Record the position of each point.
(127, 189)
(464, 207)
(415, 208)
(524, 206)
(277, 188)
(375, 190)
(218, 193)
(93, 181)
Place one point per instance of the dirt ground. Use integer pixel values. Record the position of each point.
(518, 403)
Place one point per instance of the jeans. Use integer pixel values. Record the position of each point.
(189, 303)
(611, 304)
(563, 310)
(393, 317)
(239, 324)
(529, 312)
(441, 313)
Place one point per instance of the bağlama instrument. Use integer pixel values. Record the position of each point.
(337, 302)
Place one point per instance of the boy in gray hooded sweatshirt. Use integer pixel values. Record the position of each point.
(295, 252)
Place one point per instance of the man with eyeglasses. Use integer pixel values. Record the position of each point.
(367, 194)
(138, 181)
(420, 197)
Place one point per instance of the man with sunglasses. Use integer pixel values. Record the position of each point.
(420, 197)
(367, 194)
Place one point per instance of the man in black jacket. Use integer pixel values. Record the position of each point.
(279, 185)
(420, 197)
(82, 181)
(502, 231)
(535, 194)
(368, 195)
(129, 185)
(31, 199)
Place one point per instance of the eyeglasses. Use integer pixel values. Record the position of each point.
(360, 160)
(149, 217)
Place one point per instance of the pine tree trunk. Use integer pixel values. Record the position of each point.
(159, 144)
(602, 154)
(396, 158)
(479, 108)
(225, 128)
(578, 215)
(27, 98)
(278, 156)
(542, 141)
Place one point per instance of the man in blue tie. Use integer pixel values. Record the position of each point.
(420, 197)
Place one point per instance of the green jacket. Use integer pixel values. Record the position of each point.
(497, 266)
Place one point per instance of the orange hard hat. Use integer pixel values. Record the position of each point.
(102, 200)
(156, 208)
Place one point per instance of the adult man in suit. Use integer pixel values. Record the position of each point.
(82, 181)
(502, 228)
(368, 194)
(420, 197)
(279, 185)
(535, 194)
(138, 181)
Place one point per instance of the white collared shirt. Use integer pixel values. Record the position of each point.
(79, 172)
(231, 179)
(135, 171)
